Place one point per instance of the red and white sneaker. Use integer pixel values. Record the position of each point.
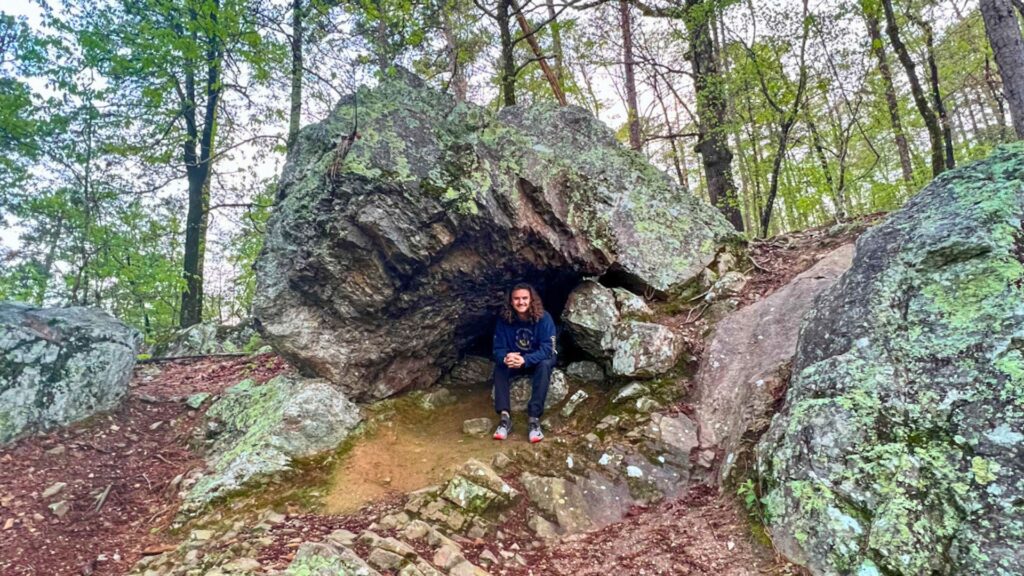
(504, 427)
(536, 434)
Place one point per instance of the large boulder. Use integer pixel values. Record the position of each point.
(59, 365)
(743, 370)
(387, 256)
(260, 429)
(900, 449)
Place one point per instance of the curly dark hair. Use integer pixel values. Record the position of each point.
(536, 310)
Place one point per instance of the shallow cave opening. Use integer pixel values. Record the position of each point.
(554, 286)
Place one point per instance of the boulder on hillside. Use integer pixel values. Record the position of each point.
(59, 365)
(388, 256)
(741, 372)
(900, 448)
(208, 338)
(259, 429)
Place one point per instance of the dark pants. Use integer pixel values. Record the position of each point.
(503, 376)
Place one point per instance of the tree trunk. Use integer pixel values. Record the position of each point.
(556, 44)
(711, 105)
(931, 121)
(632, 110)
(531, 39)
(878, 49)
(197, 168)
(295, 112)
(933, 78)
(508, 65)
(458, 83)
(1004, 35)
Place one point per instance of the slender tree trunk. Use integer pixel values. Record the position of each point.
(531, 39)
(931, 121)
(708, 84)
(197, 169)
(676, 163)
(1004, 35)
(457, 82)
(295, 111)
(508, 65)
(878, 49)
(995, 92)
(556, 44)
(632, 110)
(933, 78)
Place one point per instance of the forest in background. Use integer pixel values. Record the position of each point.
(140, 140)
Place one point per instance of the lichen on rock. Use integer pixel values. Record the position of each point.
(894, 453)
(60, 365)
(382, 266)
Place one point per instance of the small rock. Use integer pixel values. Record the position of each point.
(54, 489)
(57, 450)
(631, 304)
(631, 391)
(542, 527)
(447, 557)
(487, 557)
(476, 426)
(272, 517)
(59, 509)
(466, 568)
(646, 405)
(242, 565)
(384, 560)
(574, 402)
(706, 458)
(9, 523)
(500, 460)
(202, 535)
(342, 537)
(196, 400)
(436, 398)
(586, 371)
(394, 521)
(156, 425)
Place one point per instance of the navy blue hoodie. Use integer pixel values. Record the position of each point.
(535, 341)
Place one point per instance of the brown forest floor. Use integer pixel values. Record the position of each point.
(134, 454)
(135, 451)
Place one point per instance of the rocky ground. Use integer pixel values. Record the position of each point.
(101, 497)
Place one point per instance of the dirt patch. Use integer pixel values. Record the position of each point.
(117, 467)
(412, 448)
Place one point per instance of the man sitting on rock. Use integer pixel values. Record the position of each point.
(524, 343)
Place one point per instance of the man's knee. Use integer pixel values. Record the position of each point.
(546, 364)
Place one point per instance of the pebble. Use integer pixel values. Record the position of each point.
(54, 489)
(57, 450)
(59, 509)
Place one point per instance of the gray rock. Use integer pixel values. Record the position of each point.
(730, 284)
(589, 316)
(433, 399)
(262, 428)
(677, 433)
(631, 305)
(644, 349)
(586, 371)
(742, 370)
(476, 426)
(899, 448)
(53, 490)
(471, 371)
(521, 388)
(324, 560)
(60, 365)
(207, 338)
(468, 495)
(483, 475)
(578, 503)
(579, 397)
(543, 528)
(60, 509)
(377, 277)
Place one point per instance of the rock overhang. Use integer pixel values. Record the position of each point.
(378, 274)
